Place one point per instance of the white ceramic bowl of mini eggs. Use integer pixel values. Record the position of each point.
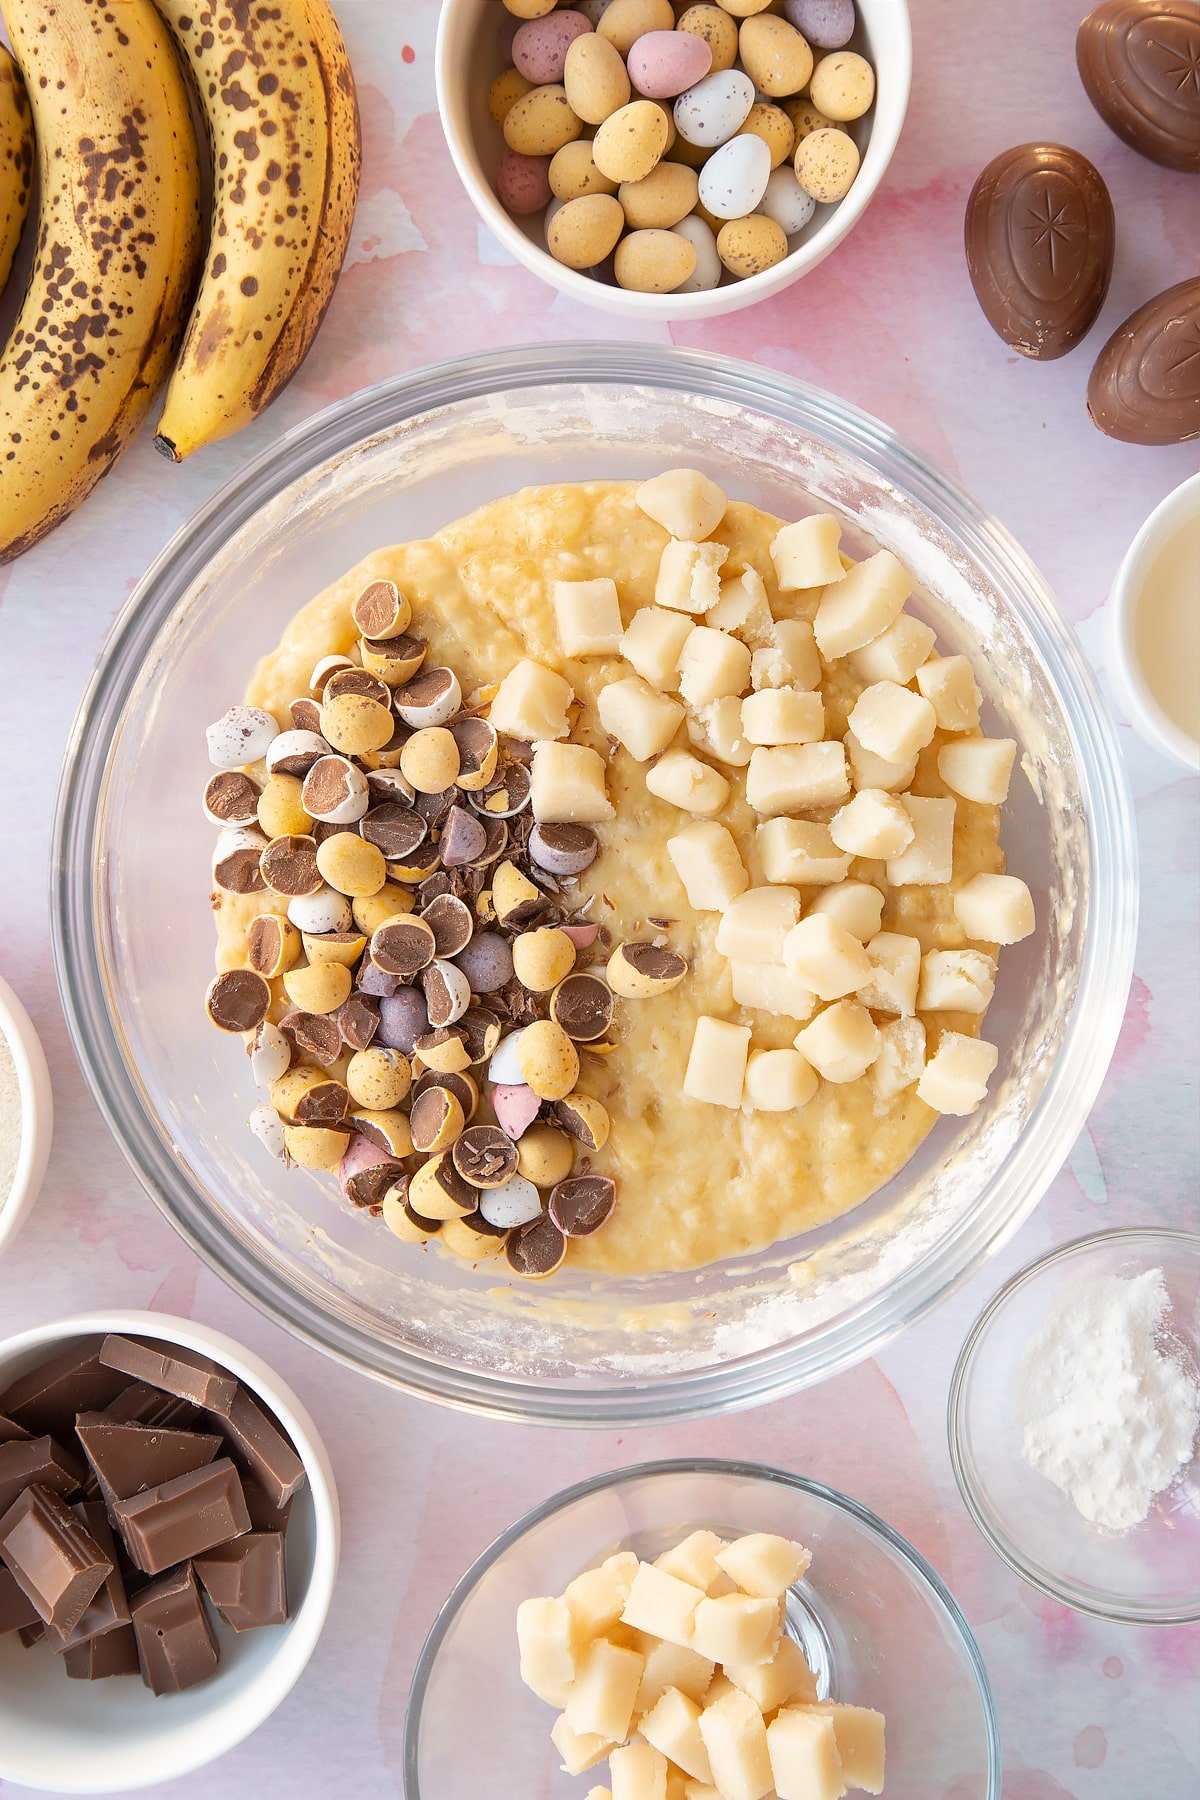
(474, 48)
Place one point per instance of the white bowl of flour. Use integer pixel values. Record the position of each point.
(1075, 1424)
(26, 1114)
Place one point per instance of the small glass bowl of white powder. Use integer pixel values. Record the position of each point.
(1074, 1419)
(26, 1114)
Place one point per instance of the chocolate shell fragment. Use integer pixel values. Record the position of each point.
(1145, 386)
(1039, 238)
(1139, 61)
(175, 1641)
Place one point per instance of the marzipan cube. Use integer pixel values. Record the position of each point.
(662, 1604)
(763, 1564)
(873, 824)
(805, 1764)
(956, 1076)
(770, 988)
(862, 604)
(547, 1638)
(948, 683)
(871, 771)
(579, 1753)
(588, 615)
(652, 641)
(855, 905)
(956, 981)
(805, 554)
(638, 1772)
(859, 1732)
(670, 1666)
(597, 1596)
(568, 785)
(790, 659)
(606, 1684)
(978, 768)
(531, 703)
(825, 957)
(785, 778)
(689, 576)
(639, 717)
(891, 986)
(712, 666)
(783, 715)
(718, 730)
(897, 653)
(995, 909)
(716, 1071)
(787, 1677)
(684, 781)
(694, 1559)
(736, 1740)
(892, 721)
(753, 927)
(737, 1628)
(779, 1081)
(709, 865)
(744, 609)
(929, 859)
(684, 502)
(901, 1057)
(673, 1726)
(842, 1042)
(800, 852)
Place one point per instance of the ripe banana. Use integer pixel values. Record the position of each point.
(16, 161)
(278, 96)
(117, 250)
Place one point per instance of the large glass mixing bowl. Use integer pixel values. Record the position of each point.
(133, 936)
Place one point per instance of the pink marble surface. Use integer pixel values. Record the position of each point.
(1089, 1712)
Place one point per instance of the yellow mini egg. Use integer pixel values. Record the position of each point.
(718, 30)
(663, 197)
(541, 122)
(805, 117)
(280, 809)
(573, 172)
(843, 85)
(774, 55)
(625, 21)
(545, 1155)
(505, 91)
(627, 145)
(582, 232)
(548, 1060)
(826, 164)
(653, 262)
(748, 246)
(595, 78)
(772, 125)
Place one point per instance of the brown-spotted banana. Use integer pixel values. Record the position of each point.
(277, 91)
(116, 256)
(16, 161)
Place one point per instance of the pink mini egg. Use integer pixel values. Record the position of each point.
(523, 183)
(516, 1107)
(663, 64)
(539, 48)
(582, 936)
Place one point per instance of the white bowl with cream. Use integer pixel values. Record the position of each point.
(1154, 628)
(25, 1143)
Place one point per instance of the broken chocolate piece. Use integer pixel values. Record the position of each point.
(176, 1644)
(582, 1204)
(183, 1517)
(264, 1514)
(128, 1458)
(484, 1156)
(238, 1000)
(358, 1021)
(537, 1248)
(563, 849)
(9, 1430)
(24, 1461)
(184, 1373)
(403, 947)
(289, 866)
(259, 1443)
(16, 1608)
(52, 1557)
(451, 923)
(246, 1580)
(317, 1036)
(141, 1404)
(113, 1653)
(109, 1608)
(395, 830)
(464, 838)
(46, 1399)
(583, 1005)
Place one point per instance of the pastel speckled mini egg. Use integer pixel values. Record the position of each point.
(663, 63)
(734, 179)
(540, 46)
(715, 108)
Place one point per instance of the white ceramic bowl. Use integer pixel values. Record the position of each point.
(108, 1737)
(468, 59)
(37, 1113)
(1137, 700)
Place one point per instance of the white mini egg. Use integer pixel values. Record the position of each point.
(707, 272)
(709, 113)
(734, 179)
(786, 202)
(504, 1068)
(515, 1202)
(267, 1127)
(320, 913)
(270, 1054)
(240, 736)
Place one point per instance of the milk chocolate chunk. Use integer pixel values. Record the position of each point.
(582, 1204)
(318, 1036)
(46, 1399)
(32, 1634)
(99, 1658)
(484, 1156)
(1039, 239)
(238, 872)
(1139, 61)
(128, 1457)
(258, 1442)
(10, 1430)
(54, 1559)
(26, 1460)
(184, 1373)
(537, 1248)
(109, 1607)
(184, 1517)
(238, 1000)
(358, 1021)
(175, 1641)
(247, 1580)
(231, 798)
(264, 1514)
(16, 1608)
(1145, 387)
(141, 1404)
(583, 1005)
(289, 866)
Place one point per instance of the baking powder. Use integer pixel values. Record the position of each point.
(1110, 1406)
(10, 1121)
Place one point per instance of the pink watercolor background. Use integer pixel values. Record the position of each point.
(1089, 1712)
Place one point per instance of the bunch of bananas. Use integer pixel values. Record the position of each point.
(123, 291)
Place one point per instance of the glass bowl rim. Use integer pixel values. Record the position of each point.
(1106, 964)
(1005, 1546)
(699, 1465)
